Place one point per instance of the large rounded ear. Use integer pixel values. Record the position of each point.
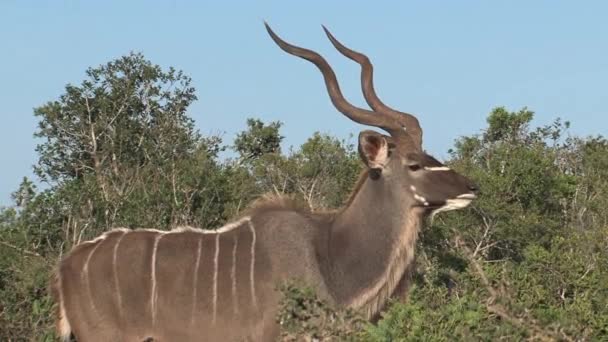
(373, 149)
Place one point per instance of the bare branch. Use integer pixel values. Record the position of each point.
(526, 322)
(22, 250)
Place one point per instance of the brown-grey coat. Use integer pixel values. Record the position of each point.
(190, 284)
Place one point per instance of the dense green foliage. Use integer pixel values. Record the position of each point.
(524, 261)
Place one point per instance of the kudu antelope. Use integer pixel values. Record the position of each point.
(198, 285)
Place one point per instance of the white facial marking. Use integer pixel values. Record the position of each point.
(437, 168)
(452, 204)
(419, 198)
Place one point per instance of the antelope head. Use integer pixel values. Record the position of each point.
(397, 158)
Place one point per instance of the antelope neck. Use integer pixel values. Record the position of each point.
(371, 244)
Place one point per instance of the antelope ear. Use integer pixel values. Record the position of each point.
(373, 149)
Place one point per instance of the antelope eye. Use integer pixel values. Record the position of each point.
(414, 167)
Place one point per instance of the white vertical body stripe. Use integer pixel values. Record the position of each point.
(215, 263)
(63, 325)
(153, 295)
(235, 297)
(153, 263)
(195, 279)
(115, 273)
(254, 299)
(85, 273)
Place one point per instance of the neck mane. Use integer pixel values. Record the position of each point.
(371, 245)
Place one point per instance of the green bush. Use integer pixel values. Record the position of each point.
(526, 261)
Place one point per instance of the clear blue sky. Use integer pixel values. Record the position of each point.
(450, 62)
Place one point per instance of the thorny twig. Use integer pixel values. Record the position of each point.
(528, 323)
(24, 251)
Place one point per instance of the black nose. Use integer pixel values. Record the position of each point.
(473, 187)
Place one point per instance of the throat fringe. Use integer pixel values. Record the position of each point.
(371, 300)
